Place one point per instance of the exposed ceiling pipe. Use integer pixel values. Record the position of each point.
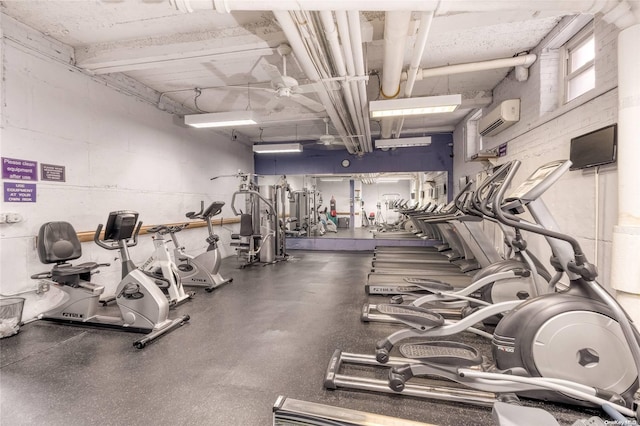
(331, 34)
(299, 49)
(358, 54)
(518, 61)
(345, 38)
(396, 28)
(444, 6)
(418, 50)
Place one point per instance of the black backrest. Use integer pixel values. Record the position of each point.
(58, 242)
(246, 225)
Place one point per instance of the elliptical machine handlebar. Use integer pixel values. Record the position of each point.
(114, 245)
(496, 180)
(516, 222)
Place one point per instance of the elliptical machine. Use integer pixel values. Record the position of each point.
(201, 270)
(573, 346)
(143, 307)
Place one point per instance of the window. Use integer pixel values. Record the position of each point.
(580, 75)
(473, 138)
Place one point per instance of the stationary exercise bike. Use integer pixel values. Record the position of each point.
(163, 270)
(143, 307)
(573, 346)
(201, 270)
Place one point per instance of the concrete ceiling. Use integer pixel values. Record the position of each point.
(224, 55)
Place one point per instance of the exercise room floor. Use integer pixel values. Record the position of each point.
(270, 332)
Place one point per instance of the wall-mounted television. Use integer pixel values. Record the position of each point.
(594, 148)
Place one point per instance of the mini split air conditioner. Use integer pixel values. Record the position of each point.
(504, 115)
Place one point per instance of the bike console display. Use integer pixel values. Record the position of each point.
(120, 225)
(214, 209)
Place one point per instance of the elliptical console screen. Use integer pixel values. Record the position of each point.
(523, 191)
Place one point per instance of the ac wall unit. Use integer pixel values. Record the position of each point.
(504, 115)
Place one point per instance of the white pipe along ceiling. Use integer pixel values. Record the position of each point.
(328, 46)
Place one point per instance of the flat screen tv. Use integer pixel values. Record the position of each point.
(594, 148)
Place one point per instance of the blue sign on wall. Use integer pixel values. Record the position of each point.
(15, 169)
(19, 192)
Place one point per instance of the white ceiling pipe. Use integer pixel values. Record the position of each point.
(356, 43)
(345, 37)
(299, 49)
(443, 6)
(421, 42)
(418, 50)
(396, 28)
(331, 33)
(518, 61)
(226, 6)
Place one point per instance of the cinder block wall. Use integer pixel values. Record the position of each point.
(543, 134)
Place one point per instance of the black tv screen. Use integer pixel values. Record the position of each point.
(594, 148)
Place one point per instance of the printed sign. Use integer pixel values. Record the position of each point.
(15, 169)
(52, 172)
(19, 192)
(502, 150)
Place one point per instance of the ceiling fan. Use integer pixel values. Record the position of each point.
(329, 141)
(287, 87)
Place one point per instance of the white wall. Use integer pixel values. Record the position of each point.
(544, 133)
(120, 152)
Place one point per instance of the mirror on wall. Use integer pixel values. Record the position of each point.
(350, 204)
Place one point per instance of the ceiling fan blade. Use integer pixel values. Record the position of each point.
(244, 88)
(274, 74)
(315, 87)
(273, 105)
(308, 103)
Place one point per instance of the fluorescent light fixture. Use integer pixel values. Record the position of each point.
(403, 142)
(331, 179)
(277, 148)
(220, 119)
(388, 180)
(414, 106)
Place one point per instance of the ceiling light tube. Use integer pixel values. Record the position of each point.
(403, 142)
(277, 148)
(414, 106)
(220, 119)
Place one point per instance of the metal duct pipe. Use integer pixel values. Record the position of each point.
(418, 49)
(356, 43)
(331, 34)
(518, 61)
(396, 27)
(299, 49)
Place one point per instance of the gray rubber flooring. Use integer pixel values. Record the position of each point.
(271, 332)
